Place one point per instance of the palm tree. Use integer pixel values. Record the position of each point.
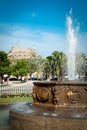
(59, 61)
(55, 65)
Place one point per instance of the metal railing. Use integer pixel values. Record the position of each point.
(16, 88)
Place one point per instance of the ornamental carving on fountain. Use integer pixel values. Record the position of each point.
(73, 95)
(57, 95)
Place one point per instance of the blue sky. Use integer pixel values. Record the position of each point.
(41, 24)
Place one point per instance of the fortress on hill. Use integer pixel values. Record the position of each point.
(17, 53)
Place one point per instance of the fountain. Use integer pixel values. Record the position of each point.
(72, 40)
(56, 105)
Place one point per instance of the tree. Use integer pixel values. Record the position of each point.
(81, 65)
(59, 60)
(55, 65)
(35, 64)
(20, 68)
(32, 65)
(49, 67)
(4, 64)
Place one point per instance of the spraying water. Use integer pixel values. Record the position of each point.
(72, 40)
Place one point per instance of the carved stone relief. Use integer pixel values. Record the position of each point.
(55, 92)
(42, 94)
(73, 95)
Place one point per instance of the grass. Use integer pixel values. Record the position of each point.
(14, 99)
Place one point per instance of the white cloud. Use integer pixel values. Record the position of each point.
(44, 42)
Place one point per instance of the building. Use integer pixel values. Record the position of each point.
(17, 53)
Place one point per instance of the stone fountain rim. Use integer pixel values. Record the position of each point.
(60, 83)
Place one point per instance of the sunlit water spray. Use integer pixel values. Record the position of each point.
(72, 40)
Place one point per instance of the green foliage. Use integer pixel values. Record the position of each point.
(81, 65)
(20, 68)
(32, 65)
(4, 64)
(15, 98)
(35, 64)
(55, 64)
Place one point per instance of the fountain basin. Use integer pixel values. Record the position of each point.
(63, 94)
(58, 106)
